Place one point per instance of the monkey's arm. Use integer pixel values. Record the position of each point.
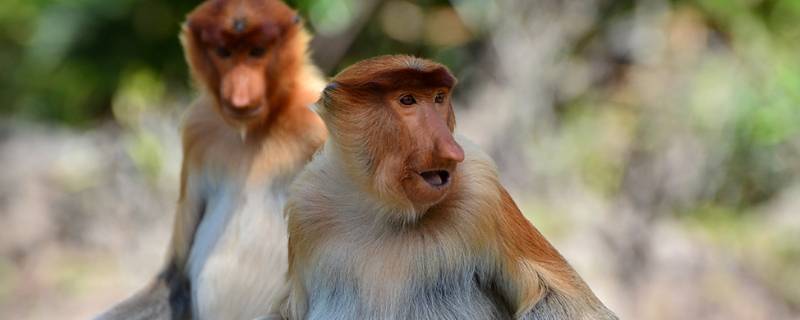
(534, 278)
(191, 206)
(296, 302)
(168, 295)
(162, 299)
(295, 305)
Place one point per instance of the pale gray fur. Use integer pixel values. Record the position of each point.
(452, 297)
(231, 243)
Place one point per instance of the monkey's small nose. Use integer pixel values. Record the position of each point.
(242, 87)
(241, 101)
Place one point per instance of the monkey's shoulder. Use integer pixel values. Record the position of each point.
(307, 195)
(305, 126)
(204, 130)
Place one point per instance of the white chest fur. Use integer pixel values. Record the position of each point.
(238, 260)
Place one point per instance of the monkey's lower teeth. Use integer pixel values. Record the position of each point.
(435, 178)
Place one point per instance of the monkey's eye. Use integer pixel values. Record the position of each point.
(223, 52)
(256, 52)
(408, 100)
(439, 98)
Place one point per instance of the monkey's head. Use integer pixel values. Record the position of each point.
(245, 53)
(393, 121)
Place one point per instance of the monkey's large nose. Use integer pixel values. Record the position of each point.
(445, 146)
(448, 149)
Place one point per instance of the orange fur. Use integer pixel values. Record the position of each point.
(363, 244)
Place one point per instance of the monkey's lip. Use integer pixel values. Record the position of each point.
(436, 178)
(243, 112)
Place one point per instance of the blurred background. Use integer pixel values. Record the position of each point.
(656, 143)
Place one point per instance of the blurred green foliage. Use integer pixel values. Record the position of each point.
(767, 89)
(63, 61)
(743, 97)
(427, 28)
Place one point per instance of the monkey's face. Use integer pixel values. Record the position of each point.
(243, 85)
(393, 120)
(241, 55)
(429, 150)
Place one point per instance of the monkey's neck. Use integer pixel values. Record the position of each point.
(280, 126)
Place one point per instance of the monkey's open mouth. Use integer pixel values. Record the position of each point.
(436, 178)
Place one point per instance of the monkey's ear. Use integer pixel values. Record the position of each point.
(325, 99)
(297, 19)
(330, 87)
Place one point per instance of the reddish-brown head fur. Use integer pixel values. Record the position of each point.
(394, 116)
(247, 54)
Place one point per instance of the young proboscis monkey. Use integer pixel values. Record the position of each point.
(395, 219)
(243, 143)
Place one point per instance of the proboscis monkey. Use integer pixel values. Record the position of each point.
(243, 143)
(395, 219)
